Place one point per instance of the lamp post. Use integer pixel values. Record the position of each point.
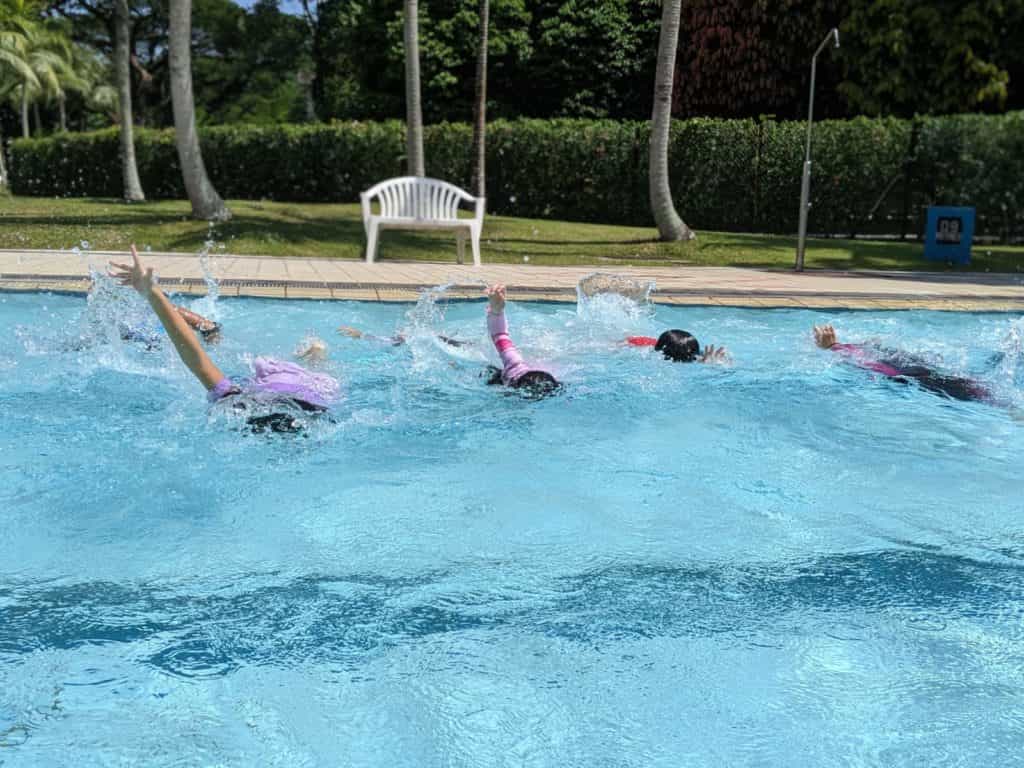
(805, 187)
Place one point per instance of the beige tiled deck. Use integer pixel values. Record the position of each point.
(402, 281)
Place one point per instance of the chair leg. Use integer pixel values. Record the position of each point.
(460, 246)
(371, 243)
(475, 238)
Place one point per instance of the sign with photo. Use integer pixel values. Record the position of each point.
(949, 234)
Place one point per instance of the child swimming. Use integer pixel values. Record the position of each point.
(681, 347)
(395, 341)
(514, 373)
(208, 329)
(902, 367)
(275, 383)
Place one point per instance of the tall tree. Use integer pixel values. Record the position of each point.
(132, 187)
(413, 109)
(670, 226)
(206, 203)
(14, 67)
(480, 106)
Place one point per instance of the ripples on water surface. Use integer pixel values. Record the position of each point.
(781, 563)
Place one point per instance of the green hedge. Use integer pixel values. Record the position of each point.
(869, 175)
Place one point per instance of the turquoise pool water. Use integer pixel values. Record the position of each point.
(782, 563)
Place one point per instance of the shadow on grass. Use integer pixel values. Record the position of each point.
(989, 266)
(148, 219)
(242, 227)
(540, 241)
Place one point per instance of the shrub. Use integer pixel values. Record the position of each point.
(868, 174)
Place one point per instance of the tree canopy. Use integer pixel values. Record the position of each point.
(259, 61)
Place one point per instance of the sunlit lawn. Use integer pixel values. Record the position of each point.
(336, 231)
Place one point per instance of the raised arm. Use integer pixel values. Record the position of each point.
(512, 361)
(185, 342)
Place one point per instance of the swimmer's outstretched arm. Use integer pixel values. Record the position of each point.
(189, 349)
(194, 319)
(513, 365)
(354, 333)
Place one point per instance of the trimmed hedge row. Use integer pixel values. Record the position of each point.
(870, 175)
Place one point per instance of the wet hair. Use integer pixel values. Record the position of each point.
(536, 384)
(493, 374)
(533, 384)
(281, 423)
(678, 346)
(211, 333)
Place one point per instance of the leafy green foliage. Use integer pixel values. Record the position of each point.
(363, 57)
(903, 57)
(726, 174)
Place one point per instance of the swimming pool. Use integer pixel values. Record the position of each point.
(785, 562)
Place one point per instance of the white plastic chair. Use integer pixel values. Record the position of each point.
(412, 202)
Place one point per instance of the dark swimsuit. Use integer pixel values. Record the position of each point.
(903, 369)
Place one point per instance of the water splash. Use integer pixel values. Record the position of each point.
(603, 283)
(614, 301)
(429, 311)
(208, 305)
(1008, 362)
(431, 348)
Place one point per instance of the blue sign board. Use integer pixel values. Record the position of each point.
(949, 234)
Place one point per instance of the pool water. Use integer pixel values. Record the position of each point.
(785, 562)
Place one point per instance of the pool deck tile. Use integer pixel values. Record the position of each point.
(402, 281)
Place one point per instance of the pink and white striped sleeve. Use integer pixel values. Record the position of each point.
(513, 365)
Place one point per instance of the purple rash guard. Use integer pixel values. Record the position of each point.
(279, 377)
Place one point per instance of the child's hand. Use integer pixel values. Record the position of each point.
(352, 333)
(496, 295)
(713, 354)
(825, 336)
(135, 275)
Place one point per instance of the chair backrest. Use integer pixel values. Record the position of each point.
(412, 197)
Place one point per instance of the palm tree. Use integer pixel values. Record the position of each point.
(206, 203)
(14, 66)
(48, 53)
(479, 185)
(413, 111)
(122, 72)
(670, 226)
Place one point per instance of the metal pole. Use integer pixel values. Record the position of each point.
(805, 185)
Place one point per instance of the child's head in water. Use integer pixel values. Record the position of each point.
(683, 347)
(678, 346)
(537, 384)
(532, 384)
(312, 350)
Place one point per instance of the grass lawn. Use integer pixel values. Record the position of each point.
(336, 231)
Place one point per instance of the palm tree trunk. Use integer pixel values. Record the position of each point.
(670, 226)
(413, 110)
(122, 72)
(3, 164)
(479, 185)
(63, 108)
(206, 203)
(25, 132)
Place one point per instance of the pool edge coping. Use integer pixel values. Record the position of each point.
(406, 292)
